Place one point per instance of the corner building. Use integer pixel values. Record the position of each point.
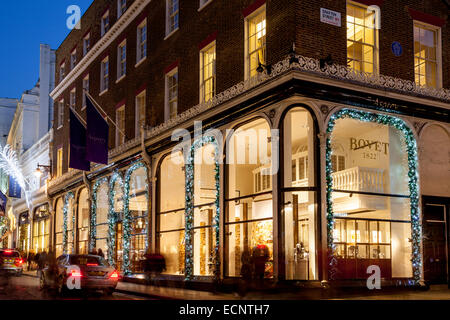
(335, 155)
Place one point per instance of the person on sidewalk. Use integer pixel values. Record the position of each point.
(42, 262)
(94, 252)
(30, 259)
(246, 273)
(100, 253)
(36, 261)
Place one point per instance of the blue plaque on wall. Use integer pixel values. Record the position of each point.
(396, 48)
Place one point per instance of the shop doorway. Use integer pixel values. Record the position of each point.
(119, 246)
(435, 243)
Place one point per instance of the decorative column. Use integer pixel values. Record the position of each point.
(323, 218)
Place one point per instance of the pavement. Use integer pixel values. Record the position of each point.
(439, 292)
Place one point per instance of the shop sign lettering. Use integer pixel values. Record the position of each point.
(370, 145)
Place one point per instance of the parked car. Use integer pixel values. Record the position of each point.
(11, 262)
(93, 272)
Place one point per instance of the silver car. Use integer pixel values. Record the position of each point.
(88, 271)
(11, 262)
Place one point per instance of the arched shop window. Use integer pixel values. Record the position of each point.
(371, 199)
(59, 222)
(100, 198)
(171, 213)
(24, 232)
(138, 210)
(41, 229)
(205, 210)
(114, 222)
(83, 222)
(299, 195)
(249, 210)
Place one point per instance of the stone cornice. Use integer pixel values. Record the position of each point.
(124, 21)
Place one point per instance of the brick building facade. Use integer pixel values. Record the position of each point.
(307, 80)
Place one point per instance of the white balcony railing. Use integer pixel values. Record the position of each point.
(360, 179)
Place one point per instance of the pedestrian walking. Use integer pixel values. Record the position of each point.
(42, 262)
(100, 253)
(94, 252)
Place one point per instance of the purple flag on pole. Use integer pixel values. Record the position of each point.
(97, 135)
(78, 145)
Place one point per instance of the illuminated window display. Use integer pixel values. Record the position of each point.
(371, 201)
(249, 212)
(102, 218)
(299, 202)
(118, 216)
(204, 210)
(24, 232)
(83, 222)
(138, 205)
(171, 213)
(59, 221)
(70, 225)
(41, 229)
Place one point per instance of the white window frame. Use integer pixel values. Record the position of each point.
(60, 113)
(170, 31)
(120, 8)
(104, 30)
(246, 35)
(121, 64)
(376, 46)
(73, 59)
(421, 24)
(170, 74)
(86, 40)
(104, 85)
(59, 161)
(139, 57)
(85, 87)
(202, 80)
(138, 111)
(73, 98)
(62, 71)
(203, 3)
(118, 122)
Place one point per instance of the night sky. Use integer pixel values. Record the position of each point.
(24, 25)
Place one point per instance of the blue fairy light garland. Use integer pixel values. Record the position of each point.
(189, 262)
(93, 231)
(112, 216)
(413, 183)
(127, 218)
(69, 196)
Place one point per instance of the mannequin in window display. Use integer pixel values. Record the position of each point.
(301, 257)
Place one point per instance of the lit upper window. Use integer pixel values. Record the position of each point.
(120, 120)
(73, 98)
(85, 89)
(426, 52)
(105, 23)
(362, 44)
(172, 16)
(62, 71)
(256, 42)
(60, 113)
(140, 111)
(208, 73)
(59, 162)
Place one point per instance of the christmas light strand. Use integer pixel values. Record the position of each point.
(112, 216)
(69, 196)
(190, 176)
(413, 183)
(94, 206)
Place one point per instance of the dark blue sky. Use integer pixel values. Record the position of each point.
(23, 26)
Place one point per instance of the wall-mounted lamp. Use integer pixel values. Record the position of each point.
(292, 57)
(261, 68)
(39, 172)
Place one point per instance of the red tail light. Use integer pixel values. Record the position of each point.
(92, 265)
(19, 262)
(8, 251)
(114, 275)
(75, 273)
